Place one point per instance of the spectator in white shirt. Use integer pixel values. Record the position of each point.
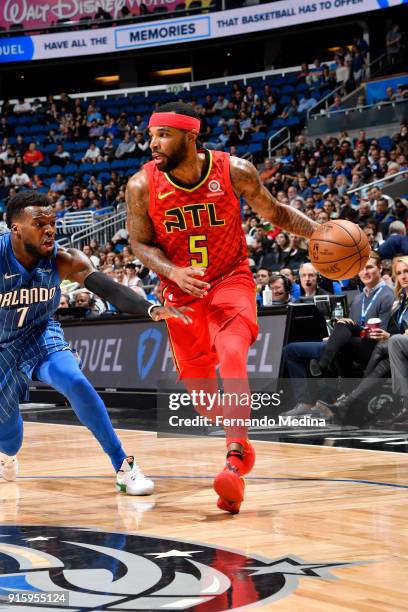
(125, 148)
(132, 280)
(221, 103)
(86, 249)
(22, 107)
(20, 178)
(92, 155)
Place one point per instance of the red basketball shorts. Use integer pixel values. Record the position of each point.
(193, 345)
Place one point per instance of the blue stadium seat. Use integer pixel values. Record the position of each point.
(385, 142)
(242, 149)
(258, 137)
(118, 163)
(54, 169)
(255, 148)
(103, 176)
(278, 123)
(285, 100)
(86, 167)
(101, 166)
(292, 121)
(41, 170)
(302, 87)
(49, 148)
(71, 167)
(288, 89)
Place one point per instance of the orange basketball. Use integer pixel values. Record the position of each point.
(339, 249)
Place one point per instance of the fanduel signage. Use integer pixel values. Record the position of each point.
(171, 31)
(133, 355)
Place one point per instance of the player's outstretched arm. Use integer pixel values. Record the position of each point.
(246, 183)
(141, 236)
(75, 266)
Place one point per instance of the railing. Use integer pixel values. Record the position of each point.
(248, 156)
(361, 108)
(102, 231)
(78, 219)
(323, 102)
(283, 141)
(369, 71)
(378, 181)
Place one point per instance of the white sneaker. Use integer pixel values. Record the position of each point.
(131, 481)
(8, 467)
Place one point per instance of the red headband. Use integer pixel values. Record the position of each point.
(181, 122)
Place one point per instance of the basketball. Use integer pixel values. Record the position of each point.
(339, 249)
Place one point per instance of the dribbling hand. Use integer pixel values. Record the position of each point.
(186, 279)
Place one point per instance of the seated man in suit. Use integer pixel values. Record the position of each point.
(375, 300)
(309, 286)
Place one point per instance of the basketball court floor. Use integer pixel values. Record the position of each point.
(322, 528)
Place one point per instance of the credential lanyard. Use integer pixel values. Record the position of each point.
(364, 308)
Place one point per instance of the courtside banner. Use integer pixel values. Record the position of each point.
(174, 31)
(134, 354)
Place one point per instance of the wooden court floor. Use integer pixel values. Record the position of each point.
(319, 504)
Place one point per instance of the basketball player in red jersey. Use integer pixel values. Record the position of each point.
(184, 223)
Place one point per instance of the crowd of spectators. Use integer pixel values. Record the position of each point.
(314, 178)
(239, 119)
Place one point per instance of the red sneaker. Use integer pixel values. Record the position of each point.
(248, 461)
(230, 487)
(232, 507)
(243, 461)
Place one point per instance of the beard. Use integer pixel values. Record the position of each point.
(174, 159)
(33, 250)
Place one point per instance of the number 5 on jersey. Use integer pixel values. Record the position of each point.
(195, 247)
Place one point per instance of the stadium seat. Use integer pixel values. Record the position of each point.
(255, 147)
(258, 137)
(292, 121)
(385, 142)
(86, 167)
(55, 169)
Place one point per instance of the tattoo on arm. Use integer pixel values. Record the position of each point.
(140, 227)
(246, 183)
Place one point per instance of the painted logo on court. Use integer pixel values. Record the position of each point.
(117, 571)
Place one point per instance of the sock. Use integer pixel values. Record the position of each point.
(61, 371)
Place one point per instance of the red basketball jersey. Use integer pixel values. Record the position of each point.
(199, 225)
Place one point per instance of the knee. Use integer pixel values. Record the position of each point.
(232, 354)
(289, 351)
(397, 342)
(294, 352)
(76, 383)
